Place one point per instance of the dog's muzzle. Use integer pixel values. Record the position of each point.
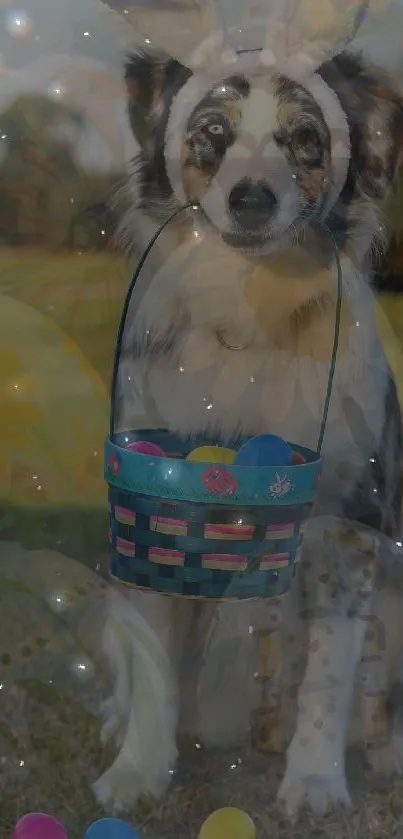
(252, 204)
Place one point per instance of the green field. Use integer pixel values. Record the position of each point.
(393, 307)
(83, 294)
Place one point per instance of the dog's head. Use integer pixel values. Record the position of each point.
(293, 175)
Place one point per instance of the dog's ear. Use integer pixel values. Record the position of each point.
(382, 141)
(375, 116)
(152, 80)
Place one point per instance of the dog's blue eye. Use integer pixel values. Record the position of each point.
(215, 129)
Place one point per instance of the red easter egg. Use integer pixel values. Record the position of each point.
(297, 459)
(219, 481)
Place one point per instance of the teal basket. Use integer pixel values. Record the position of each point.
(202, 530)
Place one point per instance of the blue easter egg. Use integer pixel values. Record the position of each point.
(265, 450)
(111, 829)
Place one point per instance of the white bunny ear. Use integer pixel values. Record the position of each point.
(214, 53)
(312, 30)
(279, 29)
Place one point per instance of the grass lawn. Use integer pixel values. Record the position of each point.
(83, 294)
(392, 305)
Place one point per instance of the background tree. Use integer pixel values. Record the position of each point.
(46, 198)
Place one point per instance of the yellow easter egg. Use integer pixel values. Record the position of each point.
(228, 823)
(212, 454)
(54, 415)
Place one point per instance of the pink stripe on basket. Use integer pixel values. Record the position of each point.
(280, 531)
(173, 527)
(164, 556)
(224, 562)
(237, 532)
(125, 516)
(274, 561)
(125, 547)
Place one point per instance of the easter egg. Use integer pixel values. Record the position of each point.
(298, 459)
(111, 829)
(228, 823)
(212, 454)
(54, 413)
(219, 482)
(265, 450)
(39, 826)
(144, 447)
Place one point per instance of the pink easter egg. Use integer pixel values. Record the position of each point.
(143, 447)
(39, 826)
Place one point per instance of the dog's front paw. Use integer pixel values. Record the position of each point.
(320, 793)
(119, 789)
(115, 792)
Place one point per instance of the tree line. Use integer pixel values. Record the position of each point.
(47, 199)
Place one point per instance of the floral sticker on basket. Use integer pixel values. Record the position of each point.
(114, 464)
(219, 481)
(282, 486)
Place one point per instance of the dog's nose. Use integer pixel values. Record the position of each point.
(252, 203)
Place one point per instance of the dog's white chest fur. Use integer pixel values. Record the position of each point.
(276, 381)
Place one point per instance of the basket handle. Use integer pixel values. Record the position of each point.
(136, 274)
(125, 310)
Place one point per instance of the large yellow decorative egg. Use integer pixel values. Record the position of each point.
(82, 294)
(53, 418)
(228, 823)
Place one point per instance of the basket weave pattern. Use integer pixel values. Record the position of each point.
(204, 550)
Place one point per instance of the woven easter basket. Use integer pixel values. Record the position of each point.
(201, 530)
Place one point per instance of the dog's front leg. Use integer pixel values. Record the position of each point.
(142, 641)
(315, 772)
(315, 758)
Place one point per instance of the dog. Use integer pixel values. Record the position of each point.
(235, 327)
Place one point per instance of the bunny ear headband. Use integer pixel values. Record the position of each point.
(292, 37)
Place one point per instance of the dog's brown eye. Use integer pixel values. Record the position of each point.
(305, 137)
(306, 145)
